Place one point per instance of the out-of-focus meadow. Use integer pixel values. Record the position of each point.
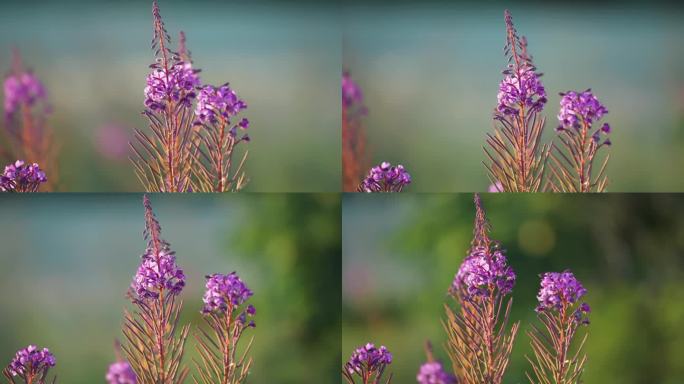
(67, 262)
(430, 73)
(401, 252)
(283, 59)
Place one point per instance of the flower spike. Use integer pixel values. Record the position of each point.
(581, 141)
(515, 156)
(562, 314)
(228, 316)
(153, 340)
(480, 341)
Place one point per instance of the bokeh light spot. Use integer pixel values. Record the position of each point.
(536, 237)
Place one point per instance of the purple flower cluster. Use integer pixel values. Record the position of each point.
(368, 358)
(157, 273)
(351, 92)
(224, 291)
(24, 88)
(558, 288)
(19, 177)
(432, 372)
(577, 108)
(562, 289)
(121, 373)
(31, 361)
(481, 271)
(177, 84)
(385, 178)
(213, 102)
(518, 90)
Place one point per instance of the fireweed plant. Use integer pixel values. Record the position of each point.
(30, 138)
(154, 340)
(194, 127)
(367, 365)
(580, 141)
(479, 339)
(354, 157)
(227, 317)
(31, 366)
(561, 315)
(385, 178)
(516, 158)
(515, 155)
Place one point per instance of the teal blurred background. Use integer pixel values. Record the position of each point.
(282, 58)
(401, 252)
(430, 72)
(67, 261)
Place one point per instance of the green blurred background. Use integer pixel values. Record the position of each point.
(430, 72)
(282, 58)
(67, 261)
(401, 252)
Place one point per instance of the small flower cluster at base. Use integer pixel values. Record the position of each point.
(19, 177)
(121, 373)
(524, 90)
(559, 290)
(214, 102)
(385, 178)
(432, 372)
(368, 358)
(481, 271)
(177, 85)
(157, 273)
(31, 362)
(24, 88)
(226, 293)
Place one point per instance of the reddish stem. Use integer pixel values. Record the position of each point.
(226, 351)
(564, 343)
(161, 325)
(584, 182)
(219, 162)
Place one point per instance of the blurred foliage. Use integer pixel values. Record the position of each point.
(299, 237)
(68, 259)
(401, 253)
